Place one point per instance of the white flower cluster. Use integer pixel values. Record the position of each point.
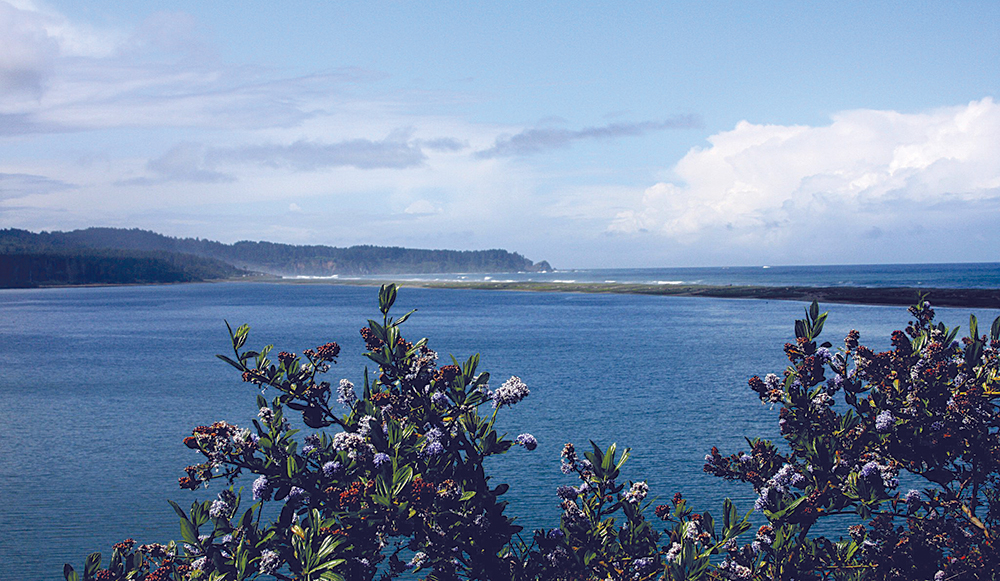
(512, 391)
(351, 443)
(635, 494)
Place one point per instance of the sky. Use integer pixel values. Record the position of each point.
(587, 134)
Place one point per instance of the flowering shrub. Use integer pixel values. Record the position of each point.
(392, 479)
(927, 407)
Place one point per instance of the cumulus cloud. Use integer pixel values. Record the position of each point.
(540, 139)
(868, 172)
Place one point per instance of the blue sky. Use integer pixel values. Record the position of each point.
(587, 134)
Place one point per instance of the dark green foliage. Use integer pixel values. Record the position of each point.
(280, 259)
(23, 268)
(400, 476)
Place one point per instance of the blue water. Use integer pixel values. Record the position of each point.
(965, 275)
(99, 385)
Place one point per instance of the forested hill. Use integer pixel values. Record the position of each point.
(25, 266)
(264, 257)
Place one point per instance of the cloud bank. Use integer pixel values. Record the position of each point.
(867, 174)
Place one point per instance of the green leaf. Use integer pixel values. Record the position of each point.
(995, 330)
(402, 319)
(188, 531)
(69, 573)
(247, 519)
(800, 328)
(818, 326)
(609, 457)
(386, 297)
(951, 335)
(728, 515)
(401, 478)
(467, 495)
(240, 337)
(180, 512)
(231, 362)
(93, 564)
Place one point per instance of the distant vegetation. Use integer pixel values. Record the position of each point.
(115, 256)
(27, 267)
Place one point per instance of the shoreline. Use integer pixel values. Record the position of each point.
(896, 296)
(988, 298)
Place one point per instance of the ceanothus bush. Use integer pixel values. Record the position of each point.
(392, 480)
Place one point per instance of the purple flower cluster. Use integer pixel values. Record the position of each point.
(223, 506)
(262, 488)
(380, 459)
(297, 496)
(873, 472)
(512, 391)
(435, 442)
(345, 393)
(884, 422)
(526, 440)
(351, 443)
(785, 477)
(567, 492)
(269, 562)
(570, 463)
(869, 470)
(439, 399)
(834, 384)
(330, 469)
(763, 500)
(732, 570)
(219, 509)
(311, 442)
(642, 564)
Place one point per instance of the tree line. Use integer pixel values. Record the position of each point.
(201, 259)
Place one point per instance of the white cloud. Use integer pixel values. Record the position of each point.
(26, 51)
(421, 207)
(58, 75)
(867, 172)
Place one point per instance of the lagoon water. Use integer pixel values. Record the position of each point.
(98, 386)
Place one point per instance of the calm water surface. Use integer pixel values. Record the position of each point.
(98, 386)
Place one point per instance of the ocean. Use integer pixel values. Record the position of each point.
(98, 386)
